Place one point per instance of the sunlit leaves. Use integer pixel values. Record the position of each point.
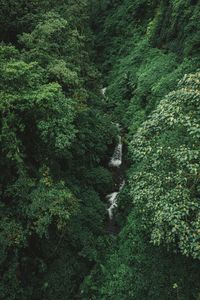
(166, 148)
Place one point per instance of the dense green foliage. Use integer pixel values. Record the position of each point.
(54, 138)
(147, 48)
(57, 135)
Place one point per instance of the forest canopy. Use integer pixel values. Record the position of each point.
(70, 72)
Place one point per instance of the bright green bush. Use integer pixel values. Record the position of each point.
(165, 184)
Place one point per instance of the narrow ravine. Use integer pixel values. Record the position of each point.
(112, 198)
(115, 164)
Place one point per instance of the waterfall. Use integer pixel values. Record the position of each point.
(103, 91)
(116, 159)
(112, 198)
(115, 162)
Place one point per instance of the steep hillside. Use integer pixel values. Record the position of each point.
(146, 49)
(55, 140)
(76, 78)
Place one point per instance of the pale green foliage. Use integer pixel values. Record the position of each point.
(59, 71)
(165, 183)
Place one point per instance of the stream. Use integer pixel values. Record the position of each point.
(115, 163)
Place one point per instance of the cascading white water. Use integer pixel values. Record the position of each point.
(115, 161)
(103, 91)
(112, 198)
